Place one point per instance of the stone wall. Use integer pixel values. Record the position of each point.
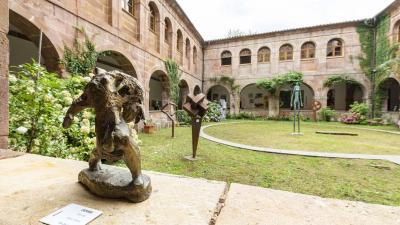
(114, 29)
(3, 74)
(316, 70)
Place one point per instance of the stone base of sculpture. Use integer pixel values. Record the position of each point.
(111, 182)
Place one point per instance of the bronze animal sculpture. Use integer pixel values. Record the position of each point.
(118, 100)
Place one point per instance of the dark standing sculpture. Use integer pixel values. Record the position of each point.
(196, 107)
(297, 103)
(118, 100)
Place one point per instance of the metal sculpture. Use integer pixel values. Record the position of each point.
(196, 107)
(118, 100)
(296, 103)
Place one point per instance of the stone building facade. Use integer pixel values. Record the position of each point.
(141, 34)
(3, 74)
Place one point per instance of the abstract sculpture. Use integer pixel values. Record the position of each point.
(297, 103)
(118, 100)
(196, 107)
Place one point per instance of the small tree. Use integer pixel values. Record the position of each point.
(174, 75)
(273, 84)
(82, 57)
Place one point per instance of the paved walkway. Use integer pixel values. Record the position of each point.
(391, 158)
(33, 186)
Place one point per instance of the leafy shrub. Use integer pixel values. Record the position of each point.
(213, 113)
(327, 114)
(183, 117)
(360, 108)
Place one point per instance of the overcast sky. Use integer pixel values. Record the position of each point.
(214, 18)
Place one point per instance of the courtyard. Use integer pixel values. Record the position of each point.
(91, 91)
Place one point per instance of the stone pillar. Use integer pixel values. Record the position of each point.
(273, 106)
(4, 60)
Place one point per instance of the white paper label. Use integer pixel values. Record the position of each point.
(71, 214)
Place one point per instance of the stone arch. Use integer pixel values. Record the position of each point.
(24, 38)
(253, 98)
(197, 90)
(184, 91)
(217, 92)
(113, 60)
(340, 96)
(390, 89)
(159, 90)
(285, 95)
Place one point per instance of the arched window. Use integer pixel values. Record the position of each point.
(286, 52)
(308, 50)
(129, 6)
(264, 55)
(153, 18)
(335, 48)
(226, 58)
(194, 55)
(179, 41)
(188, 48)
(167, 31)
(245, 56)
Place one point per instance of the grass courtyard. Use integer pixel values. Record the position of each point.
(361, 180)
(276, 134)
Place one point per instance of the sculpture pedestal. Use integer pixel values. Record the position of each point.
(111, 182)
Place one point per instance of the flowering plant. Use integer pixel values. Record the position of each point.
(38, 103)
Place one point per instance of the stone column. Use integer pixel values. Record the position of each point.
(4, 60)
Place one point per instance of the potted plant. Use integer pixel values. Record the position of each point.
(149, 127)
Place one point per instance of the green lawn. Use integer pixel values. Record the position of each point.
(368, 181)
(276, 134)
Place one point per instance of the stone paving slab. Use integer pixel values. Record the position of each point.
(248, 205)
(32, 187)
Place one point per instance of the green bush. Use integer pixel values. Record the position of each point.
(38, 103)
(327, 114)
(183, 117)
(213, 112)
(360, 108)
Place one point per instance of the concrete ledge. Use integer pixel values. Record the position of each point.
(255, 205)
(5, 154)
(34, 186)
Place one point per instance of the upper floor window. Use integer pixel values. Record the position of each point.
(264, 55)
(167, 31)
(153, 18)
(286, 52)
(226, 58)
(188, 48)
(129, 6)
(308, 50)
(194, 55)
(179, 41)
(335, 48)
(245, 56)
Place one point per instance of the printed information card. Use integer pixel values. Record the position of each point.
(71, 214)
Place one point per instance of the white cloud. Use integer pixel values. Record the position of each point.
(214, 18)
